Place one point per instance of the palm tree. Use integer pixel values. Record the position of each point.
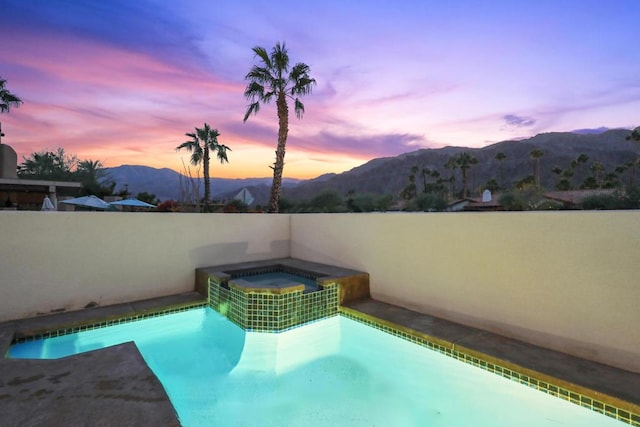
(452, 165)
(634, 137)
(535, 156)
(500, 156)
(465, 161)
(274, 79)
(203, 141)
(7, 100)
(597, 169)
(425, 173)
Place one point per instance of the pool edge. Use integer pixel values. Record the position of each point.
(588, 398)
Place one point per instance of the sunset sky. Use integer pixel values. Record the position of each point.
(122, 81)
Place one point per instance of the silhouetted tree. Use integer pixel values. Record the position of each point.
(535, 155)
(274, 79)
(7, 100)
(203, 141)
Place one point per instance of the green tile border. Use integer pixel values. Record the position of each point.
(111, 322)
(263, 310)
(605, 405)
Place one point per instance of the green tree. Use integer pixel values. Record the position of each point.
(148, 198)
(577, 165)
(274, 79)
(430, 202)
(48, 165)
(204, 141)
(92, 175)
(7, 100)
(563, 183)
(411, 190)
(327, 201)
(492, 185)
(598, 170)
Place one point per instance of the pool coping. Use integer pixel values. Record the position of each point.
(610, 391)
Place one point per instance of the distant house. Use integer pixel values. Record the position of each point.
(17, 193)
(573, 198)
(486, 203)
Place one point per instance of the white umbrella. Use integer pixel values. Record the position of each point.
(132, 203)
(89, 202)
(47, 205)
(244, 196)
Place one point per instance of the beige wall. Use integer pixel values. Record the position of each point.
(563, 280)
(52, 260)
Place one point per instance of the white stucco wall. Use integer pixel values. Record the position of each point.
(53, 260)
(564, 280)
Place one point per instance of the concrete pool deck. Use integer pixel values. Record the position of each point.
(108, 387)
(114, 386)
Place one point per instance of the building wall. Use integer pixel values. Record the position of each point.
(563, 280)
(65, 260)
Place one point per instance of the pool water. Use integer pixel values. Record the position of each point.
(280, 279)
(334, 372)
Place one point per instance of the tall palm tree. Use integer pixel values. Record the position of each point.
(203, 141)
(465, 161)
(452, 165)
(535, 156)
(273, 78)
(634, 137)
(500, 156)
(7, 100)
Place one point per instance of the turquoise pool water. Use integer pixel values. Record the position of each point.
(335, 372)
(281, 279)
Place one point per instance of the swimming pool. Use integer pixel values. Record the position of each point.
(332, 372)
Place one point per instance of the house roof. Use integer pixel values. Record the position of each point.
(574, 197)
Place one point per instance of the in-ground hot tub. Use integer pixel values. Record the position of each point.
(276, 295)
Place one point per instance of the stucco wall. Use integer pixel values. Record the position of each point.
(564, 280)
(54, 260)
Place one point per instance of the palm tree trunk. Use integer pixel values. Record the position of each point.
(278, 166)
(464, 183)
(207, 182)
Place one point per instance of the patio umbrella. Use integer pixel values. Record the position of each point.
(135, 203)
(47, 205)
(88, 202)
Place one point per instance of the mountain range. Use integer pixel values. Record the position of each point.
(390, 175)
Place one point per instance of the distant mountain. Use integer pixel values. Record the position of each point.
(590, 131)
(166, 183)
(389, 175)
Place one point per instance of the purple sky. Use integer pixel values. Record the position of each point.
(122, 81)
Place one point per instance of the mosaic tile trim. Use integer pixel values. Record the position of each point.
(273, 312)
(111, 322)
(519, 376)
